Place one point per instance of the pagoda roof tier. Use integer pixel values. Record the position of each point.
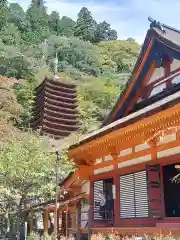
(50, 107)
(47, 112)
(62, 126)
(60, 93)
(64, 120)
(57, 103)
(55, 123)
(56, 93)
(60, 88)
(69, 88)
(60, 114)
(61, 120)
(56, 131)
(57, 98)
(63, 110)
(59, 83)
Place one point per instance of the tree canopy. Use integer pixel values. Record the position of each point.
(88, 55)
(35, 25)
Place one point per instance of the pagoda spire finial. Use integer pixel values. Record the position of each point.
(56, 67)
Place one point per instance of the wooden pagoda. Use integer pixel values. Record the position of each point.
(55, 109)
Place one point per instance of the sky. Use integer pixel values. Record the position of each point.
(128, 17)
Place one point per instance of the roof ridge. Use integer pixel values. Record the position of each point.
(163, 25)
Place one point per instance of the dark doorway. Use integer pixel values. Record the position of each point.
(171, 191)
(108, 191)
(103, 200)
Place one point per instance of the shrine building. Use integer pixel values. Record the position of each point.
(125, 170)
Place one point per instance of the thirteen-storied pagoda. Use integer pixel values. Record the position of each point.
(55, 110)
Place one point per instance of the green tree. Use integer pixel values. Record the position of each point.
(104, 32)
(85, 25)
(112, 35)
(14, 63)
(28, 168)
(17, 16)
(74, 55)
(38, 3)
(10, 35)
(121, 54)
(39, 23)
(131, 39)
(10, 109)
(3, 13)
(66, 27)
(96, 98)
(54, 22)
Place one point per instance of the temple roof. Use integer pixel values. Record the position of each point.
(131, 118)
(160, 38)
(166, 33)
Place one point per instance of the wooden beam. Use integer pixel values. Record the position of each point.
(74, 189)
(167, 66)
(71, 180)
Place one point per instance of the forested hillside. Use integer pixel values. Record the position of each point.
(89, 55)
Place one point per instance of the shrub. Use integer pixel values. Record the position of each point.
(133, 237)
(33, 236)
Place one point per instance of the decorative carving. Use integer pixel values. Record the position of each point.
(157, 136)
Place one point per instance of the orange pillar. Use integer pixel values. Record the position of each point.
(46, 220)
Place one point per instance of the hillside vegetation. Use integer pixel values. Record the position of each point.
(89, 55)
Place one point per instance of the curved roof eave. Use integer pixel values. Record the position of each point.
(143, 48)
(166, 35)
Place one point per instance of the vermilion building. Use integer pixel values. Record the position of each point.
(125, 169)
(131, 160)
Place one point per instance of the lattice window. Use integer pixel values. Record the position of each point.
(133, 195)
(98, 188)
